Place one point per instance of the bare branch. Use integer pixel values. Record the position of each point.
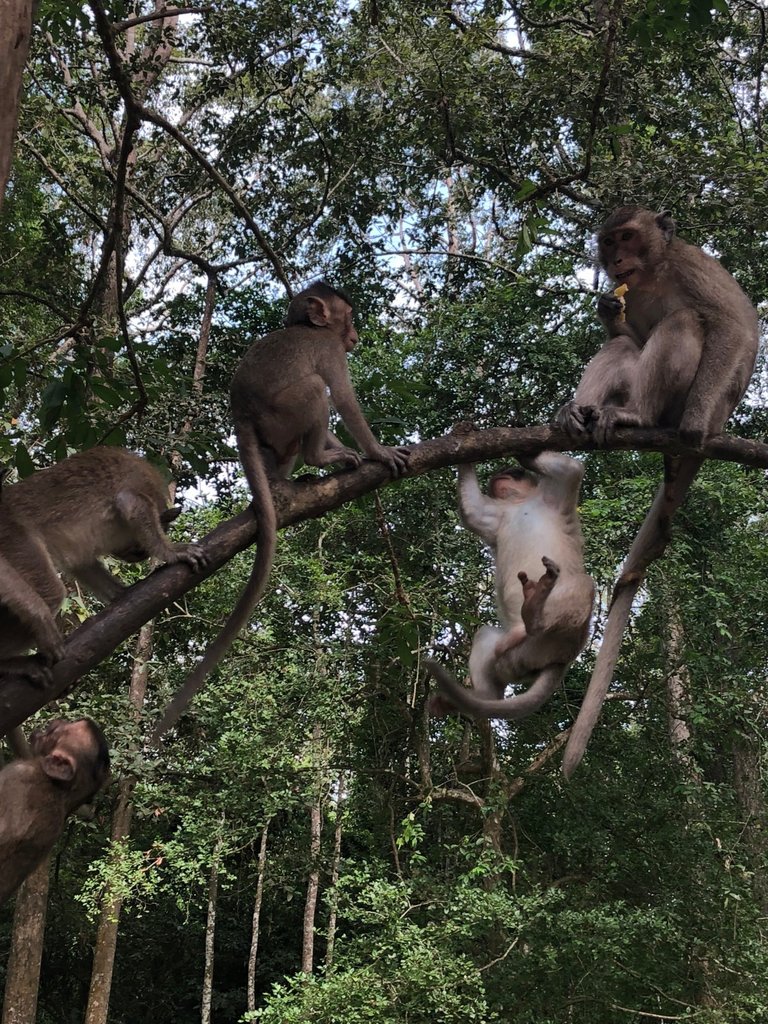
(158, 15)
(95, 640)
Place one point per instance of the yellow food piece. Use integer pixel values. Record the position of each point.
(620, 292)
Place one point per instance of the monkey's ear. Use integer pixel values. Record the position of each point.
(59, 766)
(169, 514)
(318, 312)
(666, 224)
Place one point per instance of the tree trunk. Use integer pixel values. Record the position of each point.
(109, 917)
(23, 972)
(262, 867)
(16, 18)
(313, 884)
(748, 785)
(340, 794)
(210, 932)
(678, 691)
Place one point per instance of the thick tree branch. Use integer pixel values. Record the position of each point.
(98, 637)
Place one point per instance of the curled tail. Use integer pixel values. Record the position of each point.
(464, 699)
(266, 540)
(648, 545)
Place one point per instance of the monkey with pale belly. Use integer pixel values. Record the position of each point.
(529, 518)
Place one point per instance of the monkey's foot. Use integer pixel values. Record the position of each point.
(342, 457)
(194, 556)
(395, 459)
(693, 437)
(553, 569)
(576, 420)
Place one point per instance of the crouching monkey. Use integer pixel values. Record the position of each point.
(69, 764)
(529, 519)
(103, 501)
(680, 351)
(280, 408)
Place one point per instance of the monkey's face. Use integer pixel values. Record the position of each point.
(631, 250)
(623, 254)
(343, 323)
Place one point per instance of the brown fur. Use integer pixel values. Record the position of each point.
(529, 518)
(682, 358)
(103, 501)
(280, 411)
(68, 764)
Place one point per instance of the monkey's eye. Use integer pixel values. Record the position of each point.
(607, 242)
(626, 235)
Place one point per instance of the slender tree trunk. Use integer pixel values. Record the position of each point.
(16, 18)
(678, 691)
(313, 884)
(109, 917)
(748, 775)
(210, 932)
(23, 973)
(340, 795)
(262, 867)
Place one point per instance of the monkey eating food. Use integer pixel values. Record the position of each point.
(103, 501)
(280, 408)
(530, 519)
(680, 351)
(69, 764)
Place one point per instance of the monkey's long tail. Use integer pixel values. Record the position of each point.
(649, 544)
(266, 540)
(537, 694)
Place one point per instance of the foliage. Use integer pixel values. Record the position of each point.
(447, 164)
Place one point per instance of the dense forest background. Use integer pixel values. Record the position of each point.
(309, 846)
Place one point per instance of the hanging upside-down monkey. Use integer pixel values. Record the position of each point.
(280, 408)
(681, 348)
(529, 518)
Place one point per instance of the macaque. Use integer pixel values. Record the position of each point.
(103, 501)
(680, 351)
(280, 408)
(69, 764)
(529, 518)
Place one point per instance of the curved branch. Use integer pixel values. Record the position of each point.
(98, 637)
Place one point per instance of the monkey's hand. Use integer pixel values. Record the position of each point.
(576, 420)
(396, 459)
(192, 554)
(610, 308)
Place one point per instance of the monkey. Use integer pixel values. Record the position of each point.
(529, 518)
(68, 764)
(280, 410)
(680, 351)
(103, 501)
